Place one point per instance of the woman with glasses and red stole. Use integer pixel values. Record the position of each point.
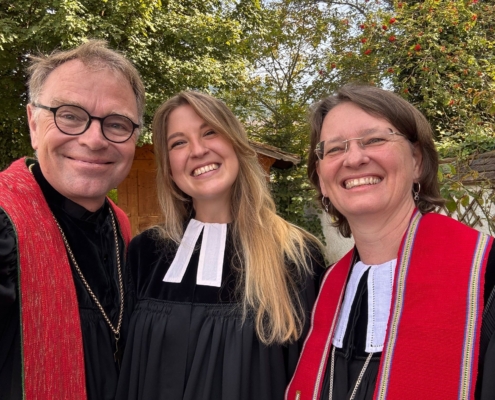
(408, 313)
(224, 285)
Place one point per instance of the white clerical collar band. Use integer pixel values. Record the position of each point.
(211, 255)
(380, 283)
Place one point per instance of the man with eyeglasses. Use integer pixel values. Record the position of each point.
(64, 296)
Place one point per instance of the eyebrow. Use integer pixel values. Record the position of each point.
(174, 135)
(177, 134)
(362, 133)
(59, 102)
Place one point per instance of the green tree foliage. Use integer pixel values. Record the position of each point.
(176, 45)
(438, 54)
(285, 79)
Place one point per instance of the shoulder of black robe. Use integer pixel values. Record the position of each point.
(485, 386)
(148, 250)
(10, 347)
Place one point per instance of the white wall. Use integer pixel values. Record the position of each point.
(337, 246)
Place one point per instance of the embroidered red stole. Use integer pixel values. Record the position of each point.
(51, 339)
(432, 343)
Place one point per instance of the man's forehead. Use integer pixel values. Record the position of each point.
(72, 70)
(80, 84)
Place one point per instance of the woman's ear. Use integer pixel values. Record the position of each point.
(417, 161)
(322, 185)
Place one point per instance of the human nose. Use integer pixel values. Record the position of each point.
(93, 136)
(355, 155)
(198, 148)
(359, 142)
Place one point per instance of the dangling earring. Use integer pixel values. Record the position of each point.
(325, 205)
(416, 192)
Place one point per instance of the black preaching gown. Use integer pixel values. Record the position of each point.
(91, 238)
(188, 341)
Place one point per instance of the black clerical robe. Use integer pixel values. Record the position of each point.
(90, 236)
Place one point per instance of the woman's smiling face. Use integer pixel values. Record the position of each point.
(375, 180)
(203, 163)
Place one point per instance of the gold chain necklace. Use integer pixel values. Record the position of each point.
(358, 381)
(116, 330)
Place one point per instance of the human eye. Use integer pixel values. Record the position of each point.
(209, 132)
(71, 114)
(376, 139)
(176, 144)
(117, 124)
(334, 149)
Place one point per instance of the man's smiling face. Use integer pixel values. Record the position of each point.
(83, 168)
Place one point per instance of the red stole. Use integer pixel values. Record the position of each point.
(52, 350)
(432, 343)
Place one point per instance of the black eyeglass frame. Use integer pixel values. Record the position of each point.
(88, 124)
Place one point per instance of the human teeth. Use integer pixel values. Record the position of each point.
(204, 169)
(349, 184)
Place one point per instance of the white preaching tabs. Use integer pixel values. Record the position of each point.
(380, 283)
(350, 293)
(211, 256)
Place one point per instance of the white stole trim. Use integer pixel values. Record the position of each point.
(211, 255)
(380, 282)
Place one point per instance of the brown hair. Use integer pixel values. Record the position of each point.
(402, 115)
(265, 244)
(93, 53)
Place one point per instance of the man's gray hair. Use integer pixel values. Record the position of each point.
(94, 54)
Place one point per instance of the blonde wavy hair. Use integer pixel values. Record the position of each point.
(272, 255)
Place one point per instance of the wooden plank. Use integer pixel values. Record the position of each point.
(144, 152)
(146, 188)
(266, 162)
(132, 206)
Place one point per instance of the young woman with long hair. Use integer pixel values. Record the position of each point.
(224, 285)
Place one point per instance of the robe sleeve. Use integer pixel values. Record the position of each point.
(485, 387)
(10, 351)
(8, 268)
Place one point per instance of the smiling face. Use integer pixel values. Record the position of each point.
(83, 168)
(375, 181)
(203, 163)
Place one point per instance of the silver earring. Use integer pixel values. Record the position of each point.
(416, 192)
(325, 205)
